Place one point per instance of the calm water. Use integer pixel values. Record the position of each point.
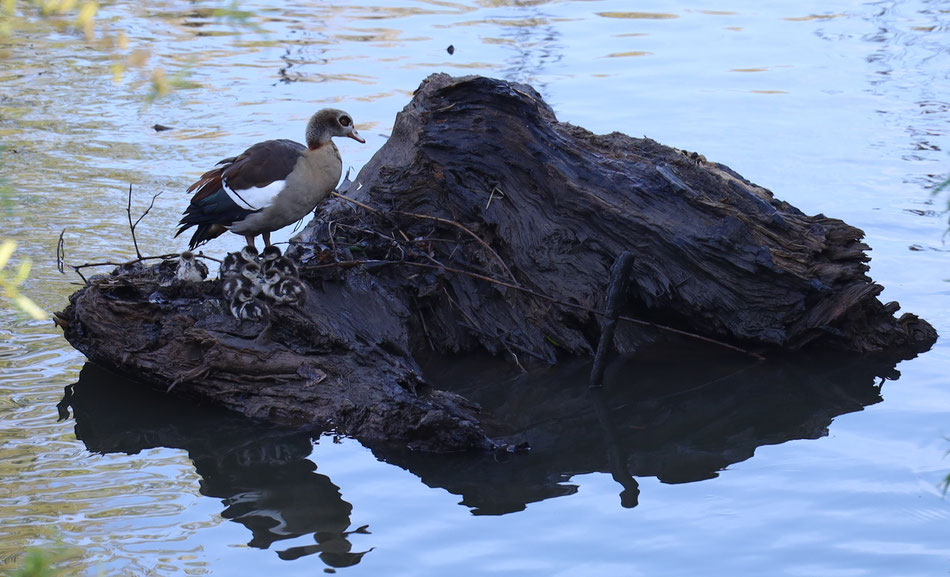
(840, 108)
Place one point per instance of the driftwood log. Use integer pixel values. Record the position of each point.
(486, 224)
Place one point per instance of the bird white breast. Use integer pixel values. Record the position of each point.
(257, 197)
(187, 271)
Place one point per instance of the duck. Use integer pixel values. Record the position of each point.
(233, 283)
(245, 307)
(290, 291)
(272, 279)
(269, 255)
(233, 262)
(270, 185)
(190, 269)
(284, 266)
(252, 272)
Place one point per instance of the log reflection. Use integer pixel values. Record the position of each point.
(260, 472)
(680, 416)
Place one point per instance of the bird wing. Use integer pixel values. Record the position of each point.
(239, 186)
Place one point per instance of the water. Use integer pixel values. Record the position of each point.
(840, 109)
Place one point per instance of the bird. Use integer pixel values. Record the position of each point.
(272, 278)
(233, 283)
(269, 255)
(290, 291)
(270, 185)
(245, 307)
(235, 260)
(190, 269)
(251, 271)
(284, 266)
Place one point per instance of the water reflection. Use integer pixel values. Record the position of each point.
(658, 417)
(261, 473)
(678, 419)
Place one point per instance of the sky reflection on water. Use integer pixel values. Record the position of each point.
(840, 109)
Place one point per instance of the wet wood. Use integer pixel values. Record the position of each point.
(486, 224)
(616, 291)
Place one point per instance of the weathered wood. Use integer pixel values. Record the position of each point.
(616, 290)
(479, 181)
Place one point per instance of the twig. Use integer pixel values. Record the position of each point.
(495, 190)
(77, 267)
(478, 239)
(640, 322)
(132, 225)
(61, 253)
(616, 289)
(128, 211)
(425, 330)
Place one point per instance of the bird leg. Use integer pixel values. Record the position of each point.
(266, 237)
(250, 240)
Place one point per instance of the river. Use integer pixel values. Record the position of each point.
(841, 108)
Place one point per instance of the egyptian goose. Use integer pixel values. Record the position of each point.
(270, 185)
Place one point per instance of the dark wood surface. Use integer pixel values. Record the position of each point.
(486, 224)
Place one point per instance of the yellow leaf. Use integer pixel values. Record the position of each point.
(66, 6)
(29, 307)
(6, 251)
(23, 273)
(86, 18)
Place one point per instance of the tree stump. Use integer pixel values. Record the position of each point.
(486, 224)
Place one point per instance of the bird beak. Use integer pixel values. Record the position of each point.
(356, 136)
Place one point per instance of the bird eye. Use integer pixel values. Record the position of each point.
(345, 120)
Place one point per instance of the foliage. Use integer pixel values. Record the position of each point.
(10, 285)
(37, 563)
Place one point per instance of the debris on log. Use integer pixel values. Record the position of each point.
(484, 224)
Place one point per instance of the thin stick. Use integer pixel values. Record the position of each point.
(61, 253)
(77, 267)
(640, 322)
(128, 211)
(478, 239)
(132, 225)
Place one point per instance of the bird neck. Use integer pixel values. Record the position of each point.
(317, 136)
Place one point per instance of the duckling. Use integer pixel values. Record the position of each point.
(235, 260)
(272, 278)
(252, 272)
(245, 307)
(285, 267)
(237, 301)
(190, 269)
(233, 283)
(254, 311)
(269, 255)
(290, 291)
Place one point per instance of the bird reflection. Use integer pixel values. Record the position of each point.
(261, 473)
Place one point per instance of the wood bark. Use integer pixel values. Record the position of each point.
(486, 224)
